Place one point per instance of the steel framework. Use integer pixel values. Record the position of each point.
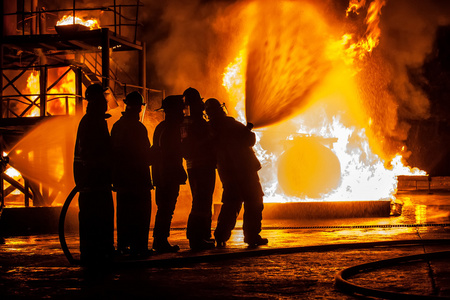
(32, 43)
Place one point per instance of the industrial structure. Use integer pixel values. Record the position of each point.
(35, 44)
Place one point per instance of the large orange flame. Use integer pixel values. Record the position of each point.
(57, 104)
(371, 38)
(323, 151)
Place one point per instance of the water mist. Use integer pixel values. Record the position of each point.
(45, 154)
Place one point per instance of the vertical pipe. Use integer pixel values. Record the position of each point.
(74, 1)
(1, 81)
(120, 20)
(33, 25)
(39, 25)
(27, 193)
(105, 57)
(3, 19)
(95, 62)
(115, 17)
(23, 18)
(45, 196)
(43, 90)
(67, 105)
(79, 92)
(9, 22)
(2, 187)
(42, 22)
(142, 71)
(136, 21)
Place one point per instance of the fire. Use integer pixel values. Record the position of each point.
(69, 20)
(61, 104)
(14, 174)
(33, 88)
(354, 6)
(325, 150)
(60, 100)
(234, 82)
(371, 37)
(57, 102)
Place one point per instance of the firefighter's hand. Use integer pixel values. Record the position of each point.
(249, 125)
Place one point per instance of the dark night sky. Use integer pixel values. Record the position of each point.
(429, 139)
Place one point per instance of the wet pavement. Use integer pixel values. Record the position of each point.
(300, 261)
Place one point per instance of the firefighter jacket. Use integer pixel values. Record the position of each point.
(196, 143)
(131, 154)
(92, 159)
(168, 165)
(233, 143)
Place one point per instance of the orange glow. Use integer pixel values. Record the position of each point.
(65, 86)
(421, 214)
(60, 100)
(354, 6)
(308, 169)
(56, 103)
(33, 88)
(68, 20)
(287, 57)
(234, 82)
(310, 95)
(14, 174)
(371, 37)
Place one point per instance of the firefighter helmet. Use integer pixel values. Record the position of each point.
(134, 99)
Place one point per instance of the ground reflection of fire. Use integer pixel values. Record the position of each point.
(310, 109)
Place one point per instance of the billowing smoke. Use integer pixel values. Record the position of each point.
(393, 77)
(189, 44)
(408, 32)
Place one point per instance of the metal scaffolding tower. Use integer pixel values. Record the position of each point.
(33, 43)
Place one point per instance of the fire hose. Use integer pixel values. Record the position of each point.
(342, 283)
(62, 219)
(254, 252)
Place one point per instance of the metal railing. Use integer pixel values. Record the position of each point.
(38, 20)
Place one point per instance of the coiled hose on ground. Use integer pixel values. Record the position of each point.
(62, 219)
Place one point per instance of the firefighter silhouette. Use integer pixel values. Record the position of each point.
(92, 174)
(201, 168)
(167, 171)
(238, 167)
(131, 178)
